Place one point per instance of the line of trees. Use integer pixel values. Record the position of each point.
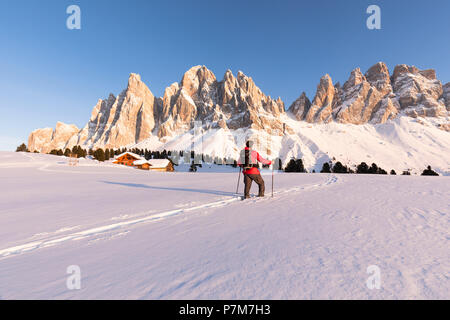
(296, 165)
(373, 169)
(101, 154)
(76, 150)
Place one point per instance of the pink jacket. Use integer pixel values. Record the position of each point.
(254, 158)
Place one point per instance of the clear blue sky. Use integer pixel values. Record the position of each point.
(49, 73)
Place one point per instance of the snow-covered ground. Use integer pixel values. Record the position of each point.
(147, 235)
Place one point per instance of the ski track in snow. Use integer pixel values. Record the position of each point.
(313, 241)
(53, 240)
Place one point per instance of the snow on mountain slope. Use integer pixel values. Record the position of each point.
(146, 235)
(401, 144)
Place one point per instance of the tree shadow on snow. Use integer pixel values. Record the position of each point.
(137, 185)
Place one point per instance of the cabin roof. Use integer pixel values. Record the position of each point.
(154, 163)
(134, 155)
(140, 162)
(159, 163)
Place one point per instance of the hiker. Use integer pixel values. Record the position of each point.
(249, 161)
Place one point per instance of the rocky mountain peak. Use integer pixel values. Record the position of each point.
(300, 107)
(325, 90)
(234, 102)
(418, 91)
(377, 97)
(247, 84)
(430, 74)
(137, 87)
(47, 139)
(378, 76)
(402, 69)
(237, 103)
(356, 78)
(321, 107)
(134, 79)
(196, 77)
(228, 76)
(122, 120)
(241, 76)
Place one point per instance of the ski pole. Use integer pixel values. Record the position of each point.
(239, 178)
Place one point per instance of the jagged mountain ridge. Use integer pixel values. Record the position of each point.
(234, 103)
(375, 97)
(135, 114)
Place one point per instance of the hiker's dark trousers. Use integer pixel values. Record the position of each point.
(248, 178)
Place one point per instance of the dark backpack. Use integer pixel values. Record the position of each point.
(247, 159)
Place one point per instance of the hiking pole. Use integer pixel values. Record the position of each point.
(239, 178)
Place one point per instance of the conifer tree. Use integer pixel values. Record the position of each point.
(295, 165)
(373, 169)
(326, 168)
(429, 172)
(300, 166)
(22, 148)
(362, 168)
(99, 154)
(81, 153)
(339, 168)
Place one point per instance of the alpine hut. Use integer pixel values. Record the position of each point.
(154, 164)
(127, 158)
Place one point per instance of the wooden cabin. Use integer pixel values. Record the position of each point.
(154, 165)
(142, 164)
(127, 159)
(161, 165)
(134, 160)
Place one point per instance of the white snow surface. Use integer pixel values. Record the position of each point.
(149, 235)
(401, 144)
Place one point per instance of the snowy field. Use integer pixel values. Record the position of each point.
(146, 235)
